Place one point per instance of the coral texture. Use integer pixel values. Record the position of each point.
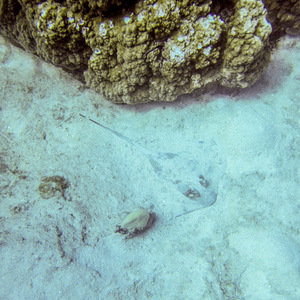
(140, 51)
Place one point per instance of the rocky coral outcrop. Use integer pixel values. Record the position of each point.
(140, 51)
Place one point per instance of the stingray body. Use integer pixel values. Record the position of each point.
(182, 171)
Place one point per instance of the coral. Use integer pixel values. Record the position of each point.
(284, 16)
(140, 51)
(52, 186)
(151, 54)
(246, 51)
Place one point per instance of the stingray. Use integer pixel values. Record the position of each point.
(180, 169)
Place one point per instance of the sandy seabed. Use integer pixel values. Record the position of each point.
(66, 182)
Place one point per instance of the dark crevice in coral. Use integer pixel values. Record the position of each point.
(120, 8)
(17, 7)
(224, 9)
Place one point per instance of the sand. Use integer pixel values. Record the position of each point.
(66, 182)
